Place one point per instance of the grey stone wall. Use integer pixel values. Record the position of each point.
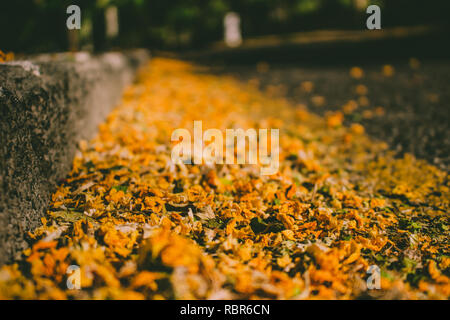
(47, 105)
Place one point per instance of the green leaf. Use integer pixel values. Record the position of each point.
(121, 188)
(347, 237)
(213, 223)
(416, 225)
(386, 275)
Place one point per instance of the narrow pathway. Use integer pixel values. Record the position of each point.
(141, 227)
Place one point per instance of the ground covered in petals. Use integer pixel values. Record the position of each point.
(142, 227)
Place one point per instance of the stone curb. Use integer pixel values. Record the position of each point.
(47, 105)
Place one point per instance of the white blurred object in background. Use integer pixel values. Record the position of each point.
(112, 22)
(232, 25)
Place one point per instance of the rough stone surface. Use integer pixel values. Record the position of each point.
(47, 105)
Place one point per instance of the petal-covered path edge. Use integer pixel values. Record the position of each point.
(141, 227)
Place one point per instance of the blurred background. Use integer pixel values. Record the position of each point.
(39, 25)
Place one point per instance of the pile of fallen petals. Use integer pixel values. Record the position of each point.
(142, 227)
(5, 57)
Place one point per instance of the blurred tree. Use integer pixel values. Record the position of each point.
(39, 25)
